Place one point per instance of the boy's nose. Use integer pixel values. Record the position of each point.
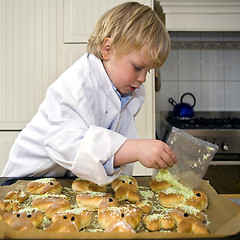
(142, 77)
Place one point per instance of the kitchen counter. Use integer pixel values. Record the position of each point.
(233, 197)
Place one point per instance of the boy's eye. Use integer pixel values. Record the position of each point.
(138, 68)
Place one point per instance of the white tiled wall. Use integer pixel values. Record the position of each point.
(213, 76)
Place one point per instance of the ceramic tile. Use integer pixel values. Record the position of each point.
(189, 65)
(211, 36)
(212, 75)
(195, 89)
(212, 65)
(231, 36)
(189, 36)
(213, 96)
(232, 96)
(232, 65)
(169, 70)
(168, 89)
(173, 36)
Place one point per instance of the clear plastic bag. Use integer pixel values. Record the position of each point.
(194, 156)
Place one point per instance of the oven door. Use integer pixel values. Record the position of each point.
(224, 178)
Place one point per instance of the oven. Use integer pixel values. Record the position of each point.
(222, 129)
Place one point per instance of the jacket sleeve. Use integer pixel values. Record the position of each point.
(80, 146)
(90, 157)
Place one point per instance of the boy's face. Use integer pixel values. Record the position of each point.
(127, 72)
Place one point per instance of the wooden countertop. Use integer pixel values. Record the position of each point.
(233, 196)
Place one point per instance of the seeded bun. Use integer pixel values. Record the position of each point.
(18, 195)
(199, 200)
(158, 186)
(44, 185)
(131, 214)
(146, 206)
(156, 222)
(81, 185)
(23, 220)
(191, 226)
(170, 200)
(179, 214)
(107, 202)
(124, 193)
(119, 226)
(126, 188)
(125, 181)
(90, 200)
(51, 204)
(9, 205)
(70, 220)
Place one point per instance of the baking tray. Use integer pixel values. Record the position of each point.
(221, 212)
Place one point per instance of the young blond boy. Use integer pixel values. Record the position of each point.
(85, 125)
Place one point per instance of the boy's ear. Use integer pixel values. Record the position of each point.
(106, 49)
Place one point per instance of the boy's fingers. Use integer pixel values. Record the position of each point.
(171, 154)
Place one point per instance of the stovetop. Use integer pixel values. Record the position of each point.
(207, 120)
(205, 123)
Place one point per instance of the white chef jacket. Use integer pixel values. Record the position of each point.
(78, 128)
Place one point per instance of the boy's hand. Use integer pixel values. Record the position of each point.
(155, 154)
(150, 153)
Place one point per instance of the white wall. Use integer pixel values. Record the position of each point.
(212, 75)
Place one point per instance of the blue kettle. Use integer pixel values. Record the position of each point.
(183, 110)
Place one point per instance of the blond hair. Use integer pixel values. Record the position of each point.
(131, 26)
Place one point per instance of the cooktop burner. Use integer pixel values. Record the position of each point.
(205, 123)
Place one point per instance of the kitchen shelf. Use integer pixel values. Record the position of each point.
(201, 15)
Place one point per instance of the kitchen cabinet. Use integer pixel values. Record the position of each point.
(201, 15)
(79, 21)
(6, 141)
(39, 40)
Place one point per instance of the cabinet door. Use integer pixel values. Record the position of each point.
(6, 142)
(80, 17)
(72, 52)
(31, 56)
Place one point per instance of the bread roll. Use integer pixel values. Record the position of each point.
(146, 206)
(179, 214)
(191, 226)
(199, 200)
(24, 219)
(173, 197)
(158, 221)
(124, 193)
(125, 181)
(18, 195)
(44, 185)
(51, 204)
(130, 213)
(187, 222)
(81, 185)
(90, 200)
(119, 226)
(171, 200)
(70, 220)
(158, 186)
(9, 205)
(107, 202)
